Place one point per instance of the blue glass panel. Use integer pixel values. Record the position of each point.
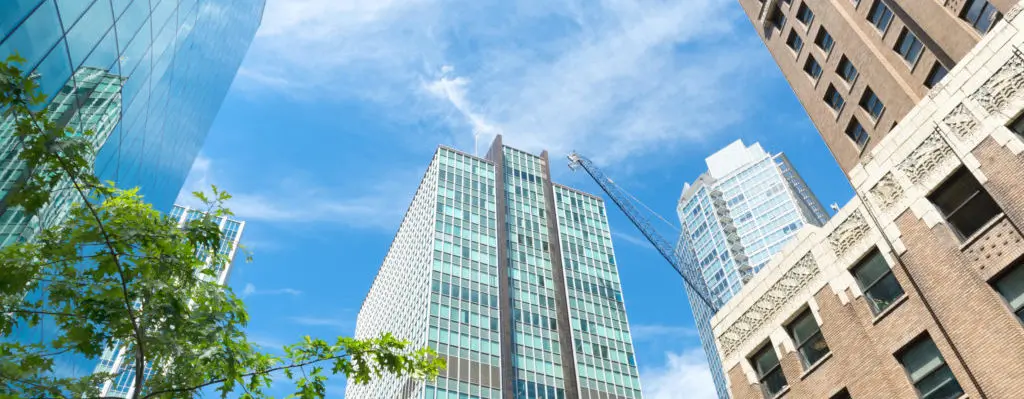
(34, 38)
(54, 71)
(84, 35)
(137, 50)
(120, 5)
(70, 10)
(14, 12)
(163, 12)
(130, 22)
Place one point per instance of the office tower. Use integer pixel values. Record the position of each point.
(116, 360)
(511, 278)
(147, 77)
(735, 216)
(859, 66)
(915, 288)
(742, 211)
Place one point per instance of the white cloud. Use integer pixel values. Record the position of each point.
(321, 322)
(613, 79)
(379, 203)
(642, 332)
(251, 290)
(632, 239)
(683, 376)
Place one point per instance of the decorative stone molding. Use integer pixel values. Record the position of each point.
(1003, 87)
(962, 122)
(767, 307)
(954, 6)
(925, 159)
(848, 233)
(1013, 11)
(887, 192)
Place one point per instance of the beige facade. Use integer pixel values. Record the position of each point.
(897, 47)
(918, 282)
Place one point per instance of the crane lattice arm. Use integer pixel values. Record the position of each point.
(687, 270)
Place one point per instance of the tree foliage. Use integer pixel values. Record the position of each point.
(115, 272)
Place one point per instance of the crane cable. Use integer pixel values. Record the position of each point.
(637, 200)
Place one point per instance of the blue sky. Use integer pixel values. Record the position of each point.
(340, 105)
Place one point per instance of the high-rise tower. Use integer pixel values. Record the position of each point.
(742, 211)
(511, 278)
(859, 66)
(117, 360)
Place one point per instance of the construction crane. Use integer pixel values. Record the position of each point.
(682, 258)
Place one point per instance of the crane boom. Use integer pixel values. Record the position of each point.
(691, 277)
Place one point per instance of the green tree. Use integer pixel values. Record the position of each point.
(117, 272)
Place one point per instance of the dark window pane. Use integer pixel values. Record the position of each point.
(909, 46)
(813, 350)
(940, 384)
(884, 293)
(965, 203)
(833, 99)
(844, 394)
(846, 70)
(856, 132)
(871, 103)
(880, 16)
(804, 14)
(935, 75)
(773, 383)
(812, 67)
(1011, 287)
(928, 371)
(794, 41)
(824, 40)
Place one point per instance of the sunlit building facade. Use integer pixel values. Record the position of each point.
(116, 360)
(511, 278)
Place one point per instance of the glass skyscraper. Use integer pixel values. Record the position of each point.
(511, 278)
(734, 217)
(146, 76)
(115, 360)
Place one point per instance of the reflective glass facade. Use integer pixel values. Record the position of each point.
(115, 359)
(146, 76)
(735, 218)
(511, 278)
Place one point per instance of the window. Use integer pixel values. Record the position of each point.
(1011, 287)
(880, 16)
(812, 67)
(876, 281)
(964, 203)
(908, 46)
(871, 103)
(980, 14)
(928, 371)
(842, 394)
(794, 41)
(769, 373)
(824, 40)
(809, 342)
(804, 14)
(935, 75)
(1017, 126)
(833, 99)
(777, 19)
(846, 70)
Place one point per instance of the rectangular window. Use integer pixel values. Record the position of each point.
(880, 16)
(794, 41)
(812, 67)
(846, 70)
(824, 40)
(810, 343)
(981, 15)
(1011, 287)
(769, 372)
(876, 281)
(804, 14)
(871, 103)
(843, 394)
(964, 203)
(777, 18)
(908, 46)
(833, 99)
(1017, 126)
(935, 75)
(928, 371)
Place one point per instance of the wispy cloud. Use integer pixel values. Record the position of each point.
(250, 290)
(322, 322)
(642, 332)
(682, 372)
(380, 203)
(632, 239)
(610, 78)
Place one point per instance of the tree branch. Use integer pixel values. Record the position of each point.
(250, 374)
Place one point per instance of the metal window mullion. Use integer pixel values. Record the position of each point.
(873, 283)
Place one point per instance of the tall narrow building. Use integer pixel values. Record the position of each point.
(734, 217)
(511, 278)
(859, 66)
(742, 211)
(119, 362)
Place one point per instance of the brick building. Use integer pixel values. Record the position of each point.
(916, 287)
(859, 66)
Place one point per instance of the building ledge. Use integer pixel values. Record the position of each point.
(982, 231)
